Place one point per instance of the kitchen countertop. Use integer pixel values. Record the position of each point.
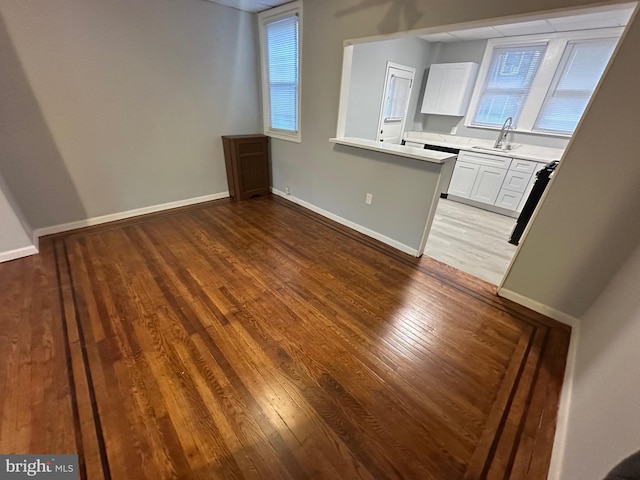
(519, 150)
(395, 149)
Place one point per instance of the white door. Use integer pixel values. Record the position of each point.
(395, 102)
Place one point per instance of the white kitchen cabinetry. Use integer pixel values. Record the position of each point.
(536, 168)
(478, 176)
(493, 180)
(487, 184)
(449, 88)
(508, 199)
(464, 176)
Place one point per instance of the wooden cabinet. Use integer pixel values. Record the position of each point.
(449, 88)
(247, 161)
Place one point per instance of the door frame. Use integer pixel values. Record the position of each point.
(387, 78)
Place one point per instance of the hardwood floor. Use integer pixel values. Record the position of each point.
(258, 340)
(472, 240)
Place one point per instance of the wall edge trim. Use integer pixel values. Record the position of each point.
(91, 221)
(347, 223)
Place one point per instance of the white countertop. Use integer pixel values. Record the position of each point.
(395, 149)
(523, 151)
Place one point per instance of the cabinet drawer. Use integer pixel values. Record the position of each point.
(508, 199)
(485, 159)
(516, 181)
(523, 166)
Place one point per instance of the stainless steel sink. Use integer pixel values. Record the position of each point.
(492, 149)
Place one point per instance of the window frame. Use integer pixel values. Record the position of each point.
(542, 82)
(264, 18)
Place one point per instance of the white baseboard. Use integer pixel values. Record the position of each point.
(348, 223)
(65, 227)
(18, 253)
(550, 312)
(562, 423)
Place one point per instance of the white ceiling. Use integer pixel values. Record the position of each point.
(603, 19)
(251, 5)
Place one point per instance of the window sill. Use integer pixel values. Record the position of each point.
(296, 138)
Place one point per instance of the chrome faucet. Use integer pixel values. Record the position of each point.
(506, 126)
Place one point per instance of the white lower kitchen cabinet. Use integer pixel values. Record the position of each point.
(487, 184)
(508, 199)
(493, 180)
(463, 179)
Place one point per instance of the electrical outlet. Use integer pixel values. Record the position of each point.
(368, 199)
(287, 190)
(454, 130)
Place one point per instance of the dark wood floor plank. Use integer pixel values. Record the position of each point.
(36, 412)
(258, 340)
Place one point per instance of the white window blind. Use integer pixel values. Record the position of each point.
(581, 67)
(396, 102)
(507, 84)
(283, 73)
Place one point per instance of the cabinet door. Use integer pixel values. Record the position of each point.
(434, 89)
(449, 88)
(452, 97)
(508, 199)
(464, 176)
(488, 184)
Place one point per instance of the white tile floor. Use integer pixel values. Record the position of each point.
(472, 240)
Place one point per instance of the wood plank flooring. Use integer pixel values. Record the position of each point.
(472, 240)
(258, 340)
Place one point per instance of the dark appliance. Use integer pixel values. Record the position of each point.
(543, 177)
(446, 179)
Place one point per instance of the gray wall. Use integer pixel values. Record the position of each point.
(112, 106)
(473, 51)
(603, 422)
(367, 81)
(14, 234)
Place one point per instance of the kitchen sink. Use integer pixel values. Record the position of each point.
(492, 149)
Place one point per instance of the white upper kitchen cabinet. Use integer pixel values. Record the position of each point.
(449, 88)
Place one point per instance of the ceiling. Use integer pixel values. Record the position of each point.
(251, 5)
(602, 19)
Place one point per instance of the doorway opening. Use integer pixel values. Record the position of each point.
(533, 77)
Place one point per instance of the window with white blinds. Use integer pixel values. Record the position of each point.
(280, 46)
(508, 83)
(395, 106)
(544, 82)
(581, 67)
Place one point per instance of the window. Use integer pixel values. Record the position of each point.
(581, 67)
(280, 34)
(395, 106)
(507, 84)
(544, 82)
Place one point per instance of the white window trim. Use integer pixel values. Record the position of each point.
(556, 44)
(268, 16)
